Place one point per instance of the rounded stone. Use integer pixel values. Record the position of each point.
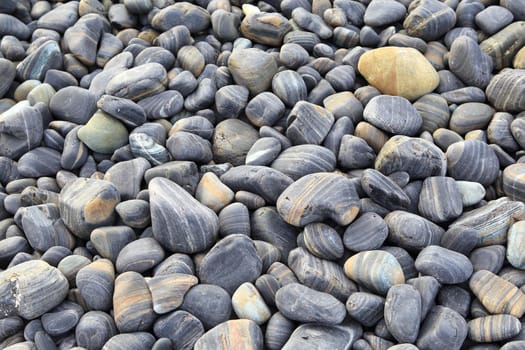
(103, 133)
(398, 71)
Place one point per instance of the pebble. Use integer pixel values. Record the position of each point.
(447, 266)
(294, 201)
(361, 268)
(231, 335)
(300, 303)
(248, 304)
(514, 242)
(230, 263)
(403, 312)
(271, 103)
(393, 114)
(312, 336)
(414, 76)
(175, 214)
(496, 294)
(493, 328)
(252, 68)
(39, 288)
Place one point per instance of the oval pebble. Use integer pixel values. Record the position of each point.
(393, 114)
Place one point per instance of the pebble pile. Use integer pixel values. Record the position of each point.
(297, 174)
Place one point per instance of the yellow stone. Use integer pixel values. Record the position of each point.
(398, 71)
(519, 59)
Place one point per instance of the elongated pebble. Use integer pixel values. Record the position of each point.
(403, 312)
(411, 231)
(300, 303)
(443, 327)
(496, 294)
(233, 334)
(493, 328)
(447, 266)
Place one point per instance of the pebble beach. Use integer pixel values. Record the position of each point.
(262, 175)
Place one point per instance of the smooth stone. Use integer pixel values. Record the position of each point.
(39, 162)
(213, 193)
(315, 336)
(180, 327)
(108, 241)
(234, 218)
(231, 262)
(265, 28)
(140, 255)
(464, 95)
(442, 328)
(13, 26)
(145, 146)
(210, 303)
(299, 204)
(168, 290)
(344, 104)
(493, 328)
(59, 322)
(499, 131)
(492, 220)
(300, 303)
(383, 190)
(380, 13)
(8, 71)
(86, 204)
(323, 241)
(414, 75)
(263, 151)
(308, 123)
(252, 68)
(94, 329)
(175, 263)
(44, 229)
(493, 18)
(40, 287)
(35, 65)
(355, 153)
(440, 199)
(225, 24)
(232, 140)
(366, 308)
(504, 45)
(403, 312)
(21, 130)
(231, 100)
(497, 295)
(183, 173)
(130, 341)
(483, 168)
(416, 156)
(289, 86)
(180, 223)
(132, 303)
(138, 82)
(263, 181)
(311, 22)
(455, 298)
(429, 19)
(393, 114)
(411, 231)
(183, 145)
(301, 160)
(515, 241)
(369, 231)
(103, 133)
(196, 125)
(127, 111)
(248, 303)
(470, 116)
(232, 334)
(376, 270)
(469, 62)
(447, 266)
(278, 331)
(127, 176)
(489, 258)
(194, 17)
(264, 109)
(512, 181)
(320, 274)
(162, 105)
(95, 284)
